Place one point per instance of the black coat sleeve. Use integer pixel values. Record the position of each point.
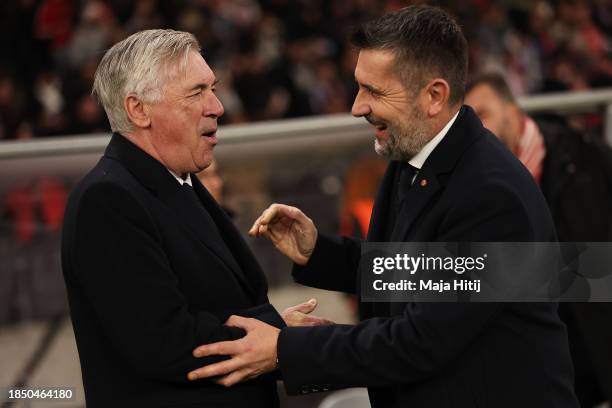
(126, 277)
(264, 312)
(333, 264)
(426, 337)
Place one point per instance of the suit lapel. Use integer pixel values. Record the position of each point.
(236, 249)
(423, 189)
(197, 225)
(156, 178)
(442, 160)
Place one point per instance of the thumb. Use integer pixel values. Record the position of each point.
(307, 307)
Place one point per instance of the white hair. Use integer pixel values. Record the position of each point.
(139, 65)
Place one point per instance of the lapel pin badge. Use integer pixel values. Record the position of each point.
(424, 183)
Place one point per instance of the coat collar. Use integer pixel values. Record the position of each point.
(464, 132)
(147, 170)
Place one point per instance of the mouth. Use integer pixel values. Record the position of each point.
(380, 130)
(211, 133)
(210, 136)
(379, 126)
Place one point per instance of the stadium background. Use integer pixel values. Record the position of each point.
(277, 60)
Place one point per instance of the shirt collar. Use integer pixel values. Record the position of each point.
(187, 179)
(419, 159)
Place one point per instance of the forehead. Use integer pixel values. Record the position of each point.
(196, 72)
(376, 67)
(481, 96)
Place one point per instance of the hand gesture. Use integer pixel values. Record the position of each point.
(299, 315)
(291, 232)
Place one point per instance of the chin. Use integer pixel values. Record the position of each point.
(203, 165)
(381, 149)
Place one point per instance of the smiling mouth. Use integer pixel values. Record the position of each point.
(210, 133)
(378, 125)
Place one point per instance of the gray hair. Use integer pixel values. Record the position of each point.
(139, 65)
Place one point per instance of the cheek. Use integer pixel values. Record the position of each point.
(200, 146)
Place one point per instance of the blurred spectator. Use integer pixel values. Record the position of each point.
(53, 23)
(211, 179)
(88, 116)
(35, 207)
(92, 34)
(12, 107)
(146, 16)
(575, 174)
(30, 221)
(279, 58)
(48, 92)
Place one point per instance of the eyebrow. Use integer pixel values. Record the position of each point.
(203, 86)
(370, 88)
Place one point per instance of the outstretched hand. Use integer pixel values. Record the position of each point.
(299, 315)
(289, 229)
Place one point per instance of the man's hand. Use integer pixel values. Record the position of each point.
(299, 315)
(251, 356)
(291, 232)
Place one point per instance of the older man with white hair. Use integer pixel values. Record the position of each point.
(153, 266)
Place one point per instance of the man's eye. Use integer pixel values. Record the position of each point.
(372, 92)
(196, 94)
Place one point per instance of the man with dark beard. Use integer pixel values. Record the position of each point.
(449, 180)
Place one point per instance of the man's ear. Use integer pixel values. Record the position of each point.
(437, 93)
(137, 112)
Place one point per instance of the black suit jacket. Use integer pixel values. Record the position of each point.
(148, 280)
(440, 354)
(580, 166)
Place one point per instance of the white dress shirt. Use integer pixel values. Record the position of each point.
(419, 159)
(180, 180)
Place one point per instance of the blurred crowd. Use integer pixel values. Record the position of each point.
(275, 58)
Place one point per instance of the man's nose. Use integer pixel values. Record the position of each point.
(214, 107)
(360, 108)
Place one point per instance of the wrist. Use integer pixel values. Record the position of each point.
(307, 253)
(275, 351)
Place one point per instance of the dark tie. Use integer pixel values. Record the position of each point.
(405, 181)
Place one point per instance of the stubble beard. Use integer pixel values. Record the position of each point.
(405, 139)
